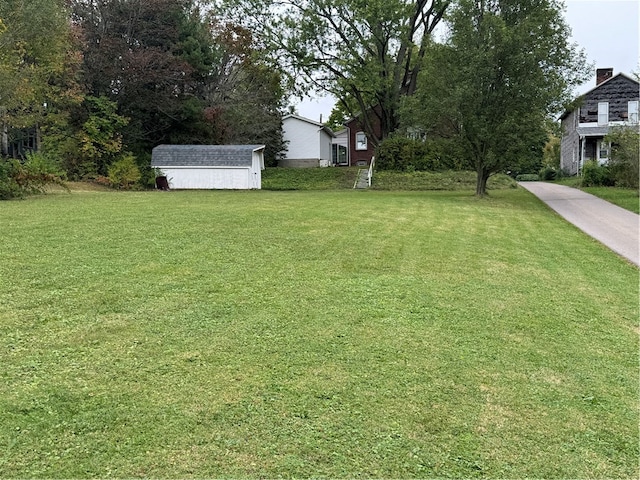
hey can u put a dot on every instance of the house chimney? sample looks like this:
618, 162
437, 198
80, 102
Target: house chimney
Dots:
603, 74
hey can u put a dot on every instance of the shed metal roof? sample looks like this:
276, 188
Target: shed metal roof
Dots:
203, 155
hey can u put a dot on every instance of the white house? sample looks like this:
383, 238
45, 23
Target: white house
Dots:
308, 142
237, 167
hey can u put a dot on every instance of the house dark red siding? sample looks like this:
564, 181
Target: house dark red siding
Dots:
361, 157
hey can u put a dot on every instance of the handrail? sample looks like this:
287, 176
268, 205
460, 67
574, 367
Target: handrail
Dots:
370, 173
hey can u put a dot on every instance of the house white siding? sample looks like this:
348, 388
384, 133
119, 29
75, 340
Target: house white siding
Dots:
325, 149
308, 143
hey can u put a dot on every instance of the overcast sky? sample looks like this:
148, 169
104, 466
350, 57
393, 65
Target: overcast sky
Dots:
608, 31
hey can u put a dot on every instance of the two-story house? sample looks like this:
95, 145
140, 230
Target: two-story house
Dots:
613, 101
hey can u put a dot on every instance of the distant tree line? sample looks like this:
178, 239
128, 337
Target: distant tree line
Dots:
88, 83
94, 82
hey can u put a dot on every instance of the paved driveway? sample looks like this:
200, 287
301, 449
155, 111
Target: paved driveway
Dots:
614, 226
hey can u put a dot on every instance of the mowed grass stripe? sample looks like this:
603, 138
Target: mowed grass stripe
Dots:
265, 334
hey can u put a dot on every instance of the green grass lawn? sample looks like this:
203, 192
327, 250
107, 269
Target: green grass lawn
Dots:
309, 178
344, 178
312, 334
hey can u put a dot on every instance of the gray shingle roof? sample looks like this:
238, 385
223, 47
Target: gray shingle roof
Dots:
203, 155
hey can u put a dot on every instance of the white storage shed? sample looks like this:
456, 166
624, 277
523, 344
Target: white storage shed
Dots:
237, 167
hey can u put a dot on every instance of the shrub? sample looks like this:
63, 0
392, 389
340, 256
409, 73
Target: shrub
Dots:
148, 174
527, 177
625, 156
595, 175
405, 154
548, 173
124, 173
8, 187
33, 176
398, 153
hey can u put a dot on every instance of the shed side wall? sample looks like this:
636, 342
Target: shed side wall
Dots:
208, 178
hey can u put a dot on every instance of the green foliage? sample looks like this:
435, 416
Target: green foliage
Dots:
596, 175
39, 171
402, 153
551, 153
494, 98
523, 164
341, 178
366, 54
91, 141
32, 62
178, 75
8, 186
338, 117
100, 138
18, 179
625, 153
548, 173
124, 173
527, 177
147, 173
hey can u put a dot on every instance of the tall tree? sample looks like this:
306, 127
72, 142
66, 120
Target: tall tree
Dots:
245, 96
36, 69
133, 57
178, 75
365, 53
507, 66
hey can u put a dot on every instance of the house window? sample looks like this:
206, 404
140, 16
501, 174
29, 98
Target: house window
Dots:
361, 141
632, 109
603, 152
603, 113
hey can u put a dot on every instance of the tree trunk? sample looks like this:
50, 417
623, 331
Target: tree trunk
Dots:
481, 181
4, 134
4, 144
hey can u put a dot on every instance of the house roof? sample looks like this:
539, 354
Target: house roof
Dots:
203, 155
593, 131
608, 80
312, 122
